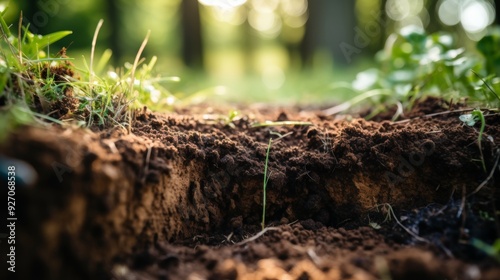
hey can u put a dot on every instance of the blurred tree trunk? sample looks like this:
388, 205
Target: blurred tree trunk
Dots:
330, 23
248, 46
192, 48
497, 11
293, 51
384, 19
113, 13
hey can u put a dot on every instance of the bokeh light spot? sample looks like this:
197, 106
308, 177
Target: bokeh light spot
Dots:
449, 12
474, 17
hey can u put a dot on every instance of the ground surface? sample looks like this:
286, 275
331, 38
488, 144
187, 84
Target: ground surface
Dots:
180, 196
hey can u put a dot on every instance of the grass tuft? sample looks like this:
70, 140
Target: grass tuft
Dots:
51, 89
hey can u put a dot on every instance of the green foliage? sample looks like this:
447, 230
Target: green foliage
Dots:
110, 97
230, 118
51, 88
489, 46
492, 250
266, 163
415, 64
28, 46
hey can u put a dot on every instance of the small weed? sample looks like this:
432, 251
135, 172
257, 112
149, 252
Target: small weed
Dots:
266, 174
53, 89
470, 120
231, 117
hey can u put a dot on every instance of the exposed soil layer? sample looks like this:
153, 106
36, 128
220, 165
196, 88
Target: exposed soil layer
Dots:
177, 197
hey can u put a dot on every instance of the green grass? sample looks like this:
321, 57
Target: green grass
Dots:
266, 163
43, 83
412, 65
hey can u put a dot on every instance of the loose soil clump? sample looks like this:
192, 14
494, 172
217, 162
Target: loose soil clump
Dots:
179, 196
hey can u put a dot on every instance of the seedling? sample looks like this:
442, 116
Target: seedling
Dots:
226, 120
230, 118
266, 175
264, 186
470, 120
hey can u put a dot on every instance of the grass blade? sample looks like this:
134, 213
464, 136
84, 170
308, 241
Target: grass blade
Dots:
265, 185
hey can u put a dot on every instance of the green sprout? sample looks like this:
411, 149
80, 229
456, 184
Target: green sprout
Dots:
266, 180
230, 118
267, 175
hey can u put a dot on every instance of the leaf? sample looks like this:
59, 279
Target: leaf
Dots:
468, 119
5, 27
39, 42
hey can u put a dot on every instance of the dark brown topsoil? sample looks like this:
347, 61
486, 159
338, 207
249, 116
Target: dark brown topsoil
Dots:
180, 197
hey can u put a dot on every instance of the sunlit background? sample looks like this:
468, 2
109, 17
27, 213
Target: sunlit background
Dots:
250, 47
